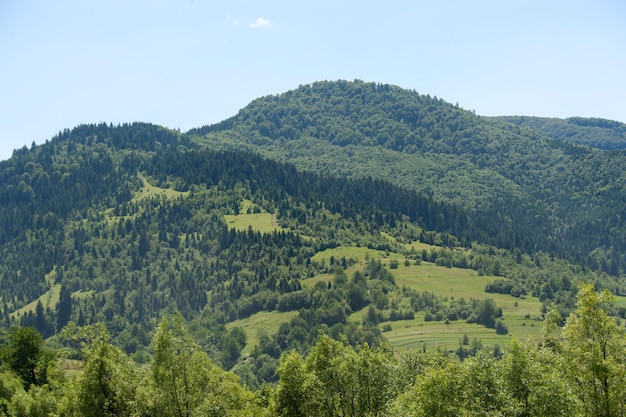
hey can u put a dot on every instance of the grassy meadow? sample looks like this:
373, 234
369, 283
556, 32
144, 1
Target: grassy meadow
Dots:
49, 300
264, 321
521, 315
263, 222
148, 191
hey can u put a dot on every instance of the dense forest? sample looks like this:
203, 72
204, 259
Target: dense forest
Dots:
593, 132
571, 197
134, 254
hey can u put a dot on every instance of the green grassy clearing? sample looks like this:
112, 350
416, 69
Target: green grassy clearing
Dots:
350, 252
520, 315
255, 325
415, 334
263, 222
620, 301
49, 300
148, 190
82, 294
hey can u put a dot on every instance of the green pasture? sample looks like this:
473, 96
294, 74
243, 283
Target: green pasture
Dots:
264, 321
620, 301
49, 300
521, 315
263, 222
417, 334
360, 253
148, 190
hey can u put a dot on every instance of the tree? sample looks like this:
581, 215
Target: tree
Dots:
185, 383
291, 393
596, 350
109, 380
436, 393
26, 356
37, 402
336, 380
64, 310
501, 327
488, 313
535, 383
482, 392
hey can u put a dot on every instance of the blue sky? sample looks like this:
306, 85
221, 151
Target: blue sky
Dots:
185, 64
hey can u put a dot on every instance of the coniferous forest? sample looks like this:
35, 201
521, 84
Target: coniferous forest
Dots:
139, 262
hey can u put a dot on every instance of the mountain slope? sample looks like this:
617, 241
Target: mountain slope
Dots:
593, 132
134, 226
554, 196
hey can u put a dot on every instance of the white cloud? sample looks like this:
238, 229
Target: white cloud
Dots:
261, 23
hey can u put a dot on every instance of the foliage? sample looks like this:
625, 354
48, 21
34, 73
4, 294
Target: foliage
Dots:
108, 383
25, 355
158, 241
595, 347
125, 225
336, 380
578, 373
184, 382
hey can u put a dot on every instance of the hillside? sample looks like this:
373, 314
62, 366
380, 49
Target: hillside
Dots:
127, 224
593, 132
546, 194
365, 212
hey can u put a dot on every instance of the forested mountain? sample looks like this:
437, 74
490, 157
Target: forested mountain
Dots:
124, 224
547, 194
593, 132
316, 209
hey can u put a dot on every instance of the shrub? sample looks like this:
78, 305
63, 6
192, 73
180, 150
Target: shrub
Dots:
501, 327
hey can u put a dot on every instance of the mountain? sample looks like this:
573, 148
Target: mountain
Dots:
299, 210
547, 194
344, 242
125, 224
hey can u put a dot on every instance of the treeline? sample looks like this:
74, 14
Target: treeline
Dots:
577, 370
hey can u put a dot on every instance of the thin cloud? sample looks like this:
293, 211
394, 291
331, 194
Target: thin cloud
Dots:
261, 23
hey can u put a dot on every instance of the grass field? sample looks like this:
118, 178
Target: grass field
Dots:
264, 321
620, 301
521, 315
349, 252
148, 190
263, 222
49, 300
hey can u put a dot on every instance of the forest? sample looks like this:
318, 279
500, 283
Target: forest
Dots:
574, 371
520, 175
135, 256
